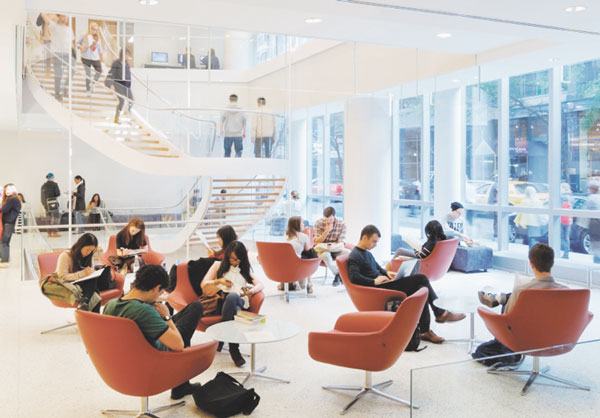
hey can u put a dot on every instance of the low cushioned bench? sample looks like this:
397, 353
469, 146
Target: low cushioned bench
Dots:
470, 259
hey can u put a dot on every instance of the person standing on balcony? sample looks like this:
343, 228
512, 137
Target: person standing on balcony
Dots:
233, 127
263, 130
91, 56
119, 80
62, 37
50, 194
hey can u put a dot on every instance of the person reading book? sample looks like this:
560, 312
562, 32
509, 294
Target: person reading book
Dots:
235, 281
364, 271
77, 263
225, 236
130, 240
434, 233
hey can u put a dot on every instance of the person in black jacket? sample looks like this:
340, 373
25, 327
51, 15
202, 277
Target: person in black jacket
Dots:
50, 194
364, 271
79, 200
11, 207
120, 81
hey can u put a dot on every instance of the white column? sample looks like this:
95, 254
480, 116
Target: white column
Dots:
11, 16
448, 145
368, 170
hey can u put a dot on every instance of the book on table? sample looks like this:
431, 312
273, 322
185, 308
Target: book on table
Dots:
249, 317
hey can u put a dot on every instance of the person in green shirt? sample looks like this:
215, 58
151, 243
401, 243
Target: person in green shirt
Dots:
142, 305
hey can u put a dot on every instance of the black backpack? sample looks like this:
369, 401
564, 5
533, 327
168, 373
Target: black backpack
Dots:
224, 397
392, 305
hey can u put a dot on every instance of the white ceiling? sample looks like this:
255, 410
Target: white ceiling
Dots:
363, 23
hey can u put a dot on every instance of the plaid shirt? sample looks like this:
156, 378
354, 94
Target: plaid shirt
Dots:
337, 233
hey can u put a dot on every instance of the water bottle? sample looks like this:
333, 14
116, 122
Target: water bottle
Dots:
136, 264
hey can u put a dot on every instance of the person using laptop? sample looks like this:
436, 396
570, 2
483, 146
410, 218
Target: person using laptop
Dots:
364, 271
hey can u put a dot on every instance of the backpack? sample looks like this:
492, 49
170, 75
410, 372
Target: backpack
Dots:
224, 397
392, 305
495, 348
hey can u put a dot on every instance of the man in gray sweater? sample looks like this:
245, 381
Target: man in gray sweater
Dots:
233, 127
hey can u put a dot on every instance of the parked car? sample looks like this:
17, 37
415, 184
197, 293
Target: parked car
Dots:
478, 191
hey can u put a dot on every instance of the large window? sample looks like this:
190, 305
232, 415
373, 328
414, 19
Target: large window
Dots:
326, 186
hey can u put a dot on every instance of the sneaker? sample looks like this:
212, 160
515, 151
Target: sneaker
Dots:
309, 288
337, 280
301, 283
187, 388
450, 317
432, 337
488, 299
292, 287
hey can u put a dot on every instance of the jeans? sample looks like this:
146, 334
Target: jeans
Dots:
328, 259
263, 143
534, 234
186, 322
5, 247
59, 63
409, 285
228, 141
87, 65
123, 91
78, 221
233, 303
565, 241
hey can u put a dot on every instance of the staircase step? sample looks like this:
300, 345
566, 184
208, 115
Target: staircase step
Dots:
256, 186
141, 141
243, 180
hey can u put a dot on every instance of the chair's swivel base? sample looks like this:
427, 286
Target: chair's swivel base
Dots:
144, 410
68, 324
374, 389
534, 374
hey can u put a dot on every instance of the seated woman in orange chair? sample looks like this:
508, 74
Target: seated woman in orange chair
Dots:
76, 263
225, 236
301, 243
434, 233
233, 280
129, 239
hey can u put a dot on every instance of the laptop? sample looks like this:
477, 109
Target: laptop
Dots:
407, 268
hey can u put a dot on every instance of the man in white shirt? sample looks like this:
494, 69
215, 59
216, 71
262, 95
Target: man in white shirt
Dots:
62, 37
263, 125
91, 55
233, 127
454, 223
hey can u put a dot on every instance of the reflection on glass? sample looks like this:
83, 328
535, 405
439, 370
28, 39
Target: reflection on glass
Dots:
410, 126
528, 146
318, 132
482, 226
336, 153
482, 142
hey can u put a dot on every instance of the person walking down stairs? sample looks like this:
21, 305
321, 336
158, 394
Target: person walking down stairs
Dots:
119, 80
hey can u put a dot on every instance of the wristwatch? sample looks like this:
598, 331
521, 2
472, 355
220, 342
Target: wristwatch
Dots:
167, 318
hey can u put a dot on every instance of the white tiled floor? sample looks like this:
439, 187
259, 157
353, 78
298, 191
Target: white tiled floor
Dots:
51, 376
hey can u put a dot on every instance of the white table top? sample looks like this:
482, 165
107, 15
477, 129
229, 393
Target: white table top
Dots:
264, 332
458, 303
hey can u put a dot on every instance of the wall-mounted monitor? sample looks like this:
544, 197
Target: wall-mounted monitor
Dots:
180, 59
160, 57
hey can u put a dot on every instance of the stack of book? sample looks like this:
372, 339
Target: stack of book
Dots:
249, 317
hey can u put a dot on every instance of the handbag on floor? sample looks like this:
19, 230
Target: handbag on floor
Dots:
224, 397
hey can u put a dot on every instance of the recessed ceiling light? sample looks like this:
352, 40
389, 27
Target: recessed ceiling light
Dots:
148, 2
456, 80
444, 35
313, 20
553, 60
572, 9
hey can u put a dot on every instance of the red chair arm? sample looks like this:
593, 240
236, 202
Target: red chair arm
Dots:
152, 257
256, 301
119, 279
363, 321
499, 326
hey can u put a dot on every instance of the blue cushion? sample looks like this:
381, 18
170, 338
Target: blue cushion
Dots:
470, 259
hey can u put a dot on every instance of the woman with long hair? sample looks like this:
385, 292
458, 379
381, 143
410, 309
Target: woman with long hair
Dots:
91, 56
93, 206
76, 263
11, 207
302, 247
434, 231
225, 236
129, 239
234, 278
